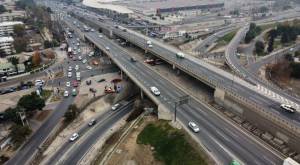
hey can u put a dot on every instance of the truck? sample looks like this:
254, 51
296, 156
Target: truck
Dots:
69, 51
78, 76
290, 161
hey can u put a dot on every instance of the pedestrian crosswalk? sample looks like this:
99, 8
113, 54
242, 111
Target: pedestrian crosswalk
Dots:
276, 97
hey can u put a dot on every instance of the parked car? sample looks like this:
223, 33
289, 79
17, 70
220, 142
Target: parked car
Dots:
66, 93
68, 84
74, 137
74, 92
89, 67
132, 59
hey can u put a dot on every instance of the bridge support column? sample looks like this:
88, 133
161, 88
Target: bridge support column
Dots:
164, 113
142, 95
219, 95
121, 74
173, 66
178, 72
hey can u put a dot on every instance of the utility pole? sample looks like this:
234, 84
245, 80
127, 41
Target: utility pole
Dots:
180, 101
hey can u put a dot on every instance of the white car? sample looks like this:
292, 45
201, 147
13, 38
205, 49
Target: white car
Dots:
78, 44
89, 67
150, 46
68, 84
84, 61
77, 67
91, 54
115, 107
100, 36
288, 108
66, 93
149, 42
79, 58
155, 91
70, 68
74, 137
194, 126
69, 74
107, 48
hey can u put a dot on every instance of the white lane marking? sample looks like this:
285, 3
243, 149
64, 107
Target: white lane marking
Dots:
223, 136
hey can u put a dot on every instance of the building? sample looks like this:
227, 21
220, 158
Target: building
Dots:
6, 45
7, 28
15, 15
158, 7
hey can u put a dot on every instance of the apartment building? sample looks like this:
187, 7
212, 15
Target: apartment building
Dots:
6, 45
7, 28
15, 15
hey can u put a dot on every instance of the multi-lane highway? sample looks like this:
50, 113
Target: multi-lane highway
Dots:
223, 140
32, 145
72, 152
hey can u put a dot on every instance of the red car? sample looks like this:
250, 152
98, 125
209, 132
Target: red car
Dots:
75, 83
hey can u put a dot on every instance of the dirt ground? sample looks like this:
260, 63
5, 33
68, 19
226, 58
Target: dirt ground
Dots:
131, 153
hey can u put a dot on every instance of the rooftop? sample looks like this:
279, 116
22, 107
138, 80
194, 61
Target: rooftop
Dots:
104, 4
6, 39
158, 4
12, 23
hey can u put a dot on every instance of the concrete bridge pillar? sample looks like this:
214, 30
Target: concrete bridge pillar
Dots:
142, 95
121, 74
219, 95
164, 113
173, 66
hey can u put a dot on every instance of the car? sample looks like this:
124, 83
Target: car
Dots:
116, 106
100, 36
180, 55
68, 83
150, 46
149, 42
88, 82
91, 54
194, 126
84, 61
132, 59
78, 44
39, 81
66, 93
69, 74
101, 80
288, 108
75, 83
79, 58
155, 91
92, 122
70, 68
107, 48
79, 50
74, 92
89, 67
92, 30
77, 67
74, 137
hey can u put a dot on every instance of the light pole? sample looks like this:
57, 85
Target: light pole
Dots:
180, 101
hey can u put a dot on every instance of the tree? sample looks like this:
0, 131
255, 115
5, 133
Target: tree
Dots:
2, 9
259, 48
19, 30
36, 59
271, 44
72, 113
19, 133
2, 53
11, 114
14, 61
31, 102
20, 44
295, 70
